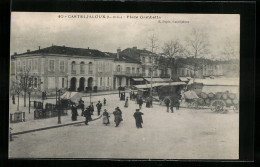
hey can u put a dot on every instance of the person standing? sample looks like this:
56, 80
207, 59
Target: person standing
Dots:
140, 102
105, 101
92, 108
171, 106
74, 113
82, 106
167, 102
87, 115
138, 118
99, 106
105, 117
126, 102
177, 104
118, 116
13, 98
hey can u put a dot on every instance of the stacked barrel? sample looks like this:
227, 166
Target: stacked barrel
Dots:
229, 98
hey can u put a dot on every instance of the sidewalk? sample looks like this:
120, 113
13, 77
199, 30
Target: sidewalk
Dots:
48, 123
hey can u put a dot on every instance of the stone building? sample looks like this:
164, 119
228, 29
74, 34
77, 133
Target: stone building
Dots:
65, 67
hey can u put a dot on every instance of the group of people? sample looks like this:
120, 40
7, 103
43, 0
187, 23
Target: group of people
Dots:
88, 112
170, 104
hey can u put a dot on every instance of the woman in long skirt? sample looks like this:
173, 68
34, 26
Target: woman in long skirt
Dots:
105, 117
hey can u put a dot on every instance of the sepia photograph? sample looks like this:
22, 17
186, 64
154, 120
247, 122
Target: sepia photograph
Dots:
124, 86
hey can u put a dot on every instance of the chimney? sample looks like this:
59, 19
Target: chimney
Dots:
28, 50
39, 47
118, 51
134, 47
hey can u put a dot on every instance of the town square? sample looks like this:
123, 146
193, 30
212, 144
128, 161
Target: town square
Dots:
124, 86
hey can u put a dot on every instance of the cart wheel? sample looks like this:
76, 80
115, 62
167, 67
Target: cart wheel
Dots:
195, 104
217, 106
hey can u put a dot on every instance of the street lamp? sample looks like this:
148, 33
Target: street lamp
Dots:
58, 106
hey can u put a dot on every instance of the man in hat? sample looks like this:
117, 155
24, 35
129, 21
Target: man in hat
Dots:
87, 114
99, 106
138, 118
105, 101
92, 108
118, 116
74, 113
140, 102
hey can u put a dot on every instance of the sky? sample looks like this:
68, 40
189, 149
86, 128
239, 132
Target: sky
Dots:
107, 32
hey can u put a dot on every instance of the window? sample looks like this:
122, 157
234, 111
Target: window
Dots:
51, 65
24, 66
137, 70
101, 81
30, 65
155, 73
182, 71
150, 71
150, 59
73, 67
35, 64
143, 70
62, 83
107, 81
143, 60
100, 66
118, 69
90, 68
35, 82
30, 82
133, 70
127, 70
18, 67
62, 66
82, 68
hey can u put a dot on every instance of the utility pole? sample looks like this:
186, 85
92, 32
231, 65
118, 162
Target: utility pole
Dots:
59, 109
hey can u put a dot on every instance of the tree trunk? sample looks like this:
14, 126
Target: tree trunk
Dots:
25, 99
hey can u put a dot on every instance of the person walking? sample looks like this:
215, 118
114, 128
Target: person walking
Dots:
140, 102
106, 117
167, 102
138, 118
99, 106
13, 98
126, 102
105, 101
74, 113
171, 106
92, 108
118, 116
82, 106
87, 115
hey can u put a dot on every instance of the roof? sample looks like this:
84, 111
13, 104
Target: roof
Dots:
135, 53
184, 79
67, 51
124, 57
138, 79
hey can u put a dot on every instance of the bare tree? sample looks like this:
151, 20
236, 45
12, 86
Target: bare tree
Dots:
171, 49
229, 51
23, 78
16, 89
198, 46
153, 42
198, 43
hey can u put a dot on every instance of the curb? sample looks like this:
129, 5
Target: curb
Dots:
52, 127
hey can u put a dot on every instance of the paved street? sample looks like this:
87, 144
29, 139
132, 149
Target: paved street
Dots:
199, 134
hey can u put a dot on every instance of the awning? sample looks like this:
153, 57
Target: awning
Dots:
184, 79
158, 84
137, 79
154, 79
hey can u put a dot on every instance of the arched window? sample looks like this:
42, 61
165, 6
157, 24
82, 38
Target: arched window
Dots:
118, 69
143, 60
73, 67
82, 67
90, 68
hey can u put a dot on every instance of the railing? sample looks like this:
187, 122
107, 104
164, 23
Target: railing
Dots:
82, 72
73, 72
